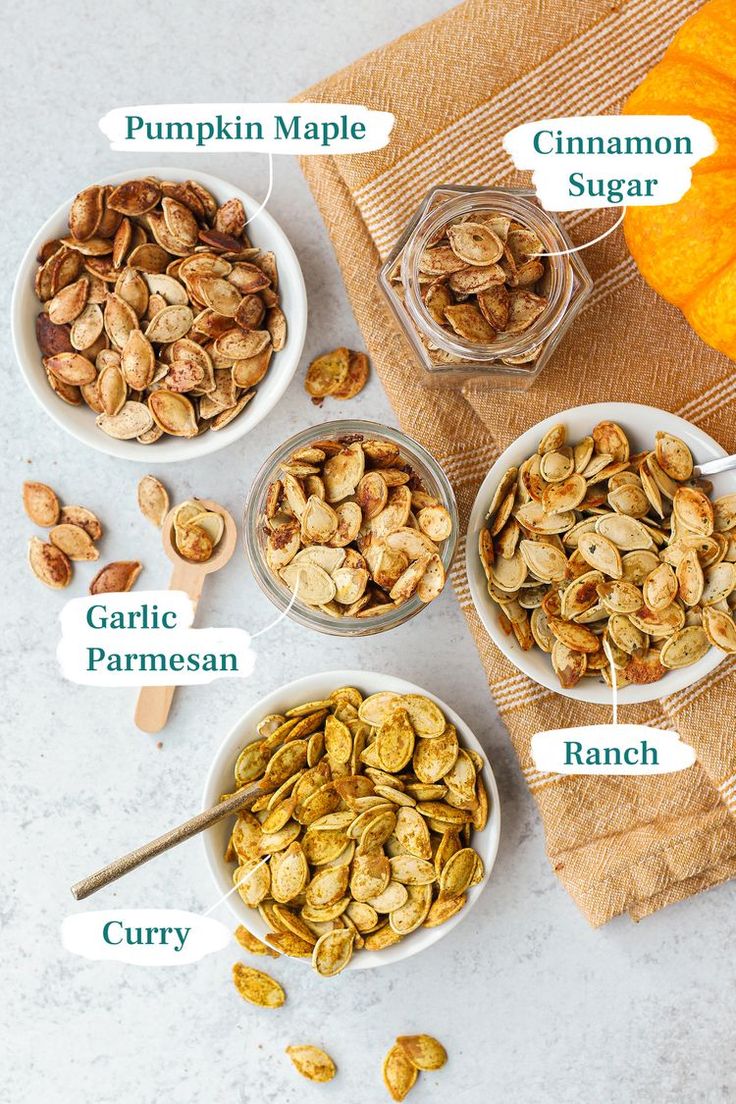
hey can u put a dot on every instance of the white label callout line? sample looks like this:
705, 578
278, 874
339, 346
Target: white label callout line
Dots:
586, 245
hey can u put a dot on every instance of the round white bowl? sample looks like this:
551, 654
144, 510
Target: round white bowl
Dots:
640, 423
312, 688
80, 420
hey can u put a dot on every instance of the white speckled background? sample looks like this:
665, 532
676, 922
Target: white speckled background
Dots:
533, 1006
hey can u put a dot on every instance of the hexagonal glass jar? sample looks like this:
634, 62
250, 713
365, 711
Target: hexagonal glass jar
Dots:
511, 361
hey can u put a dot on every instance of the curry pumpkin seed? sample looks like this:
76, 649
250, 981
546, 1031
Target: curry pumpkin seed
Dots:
399, 1074
413, 912
251, 943
423, 1051
443, 910
457, 873
257, 987
333, 951
312, 1063
253, 881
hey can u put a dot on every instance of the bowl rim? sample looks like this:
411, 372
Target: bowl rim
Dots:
224, 758
594, 693
354, 627
187, 449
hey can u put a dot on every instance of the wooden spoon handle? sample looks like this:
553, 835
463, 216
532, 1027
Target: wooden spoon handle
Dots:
198, 823
154, 702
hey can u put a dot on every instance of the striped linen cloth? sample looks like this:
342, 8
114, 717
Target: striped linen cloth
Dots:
456, 86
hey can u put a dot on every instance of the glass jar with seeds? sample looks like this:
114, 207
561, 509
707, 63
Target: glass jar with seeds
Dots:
479, 288
351, 527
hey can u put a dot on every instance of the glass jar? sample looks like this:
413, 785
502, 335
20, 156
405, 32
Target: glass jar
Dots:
255, 529
511, 361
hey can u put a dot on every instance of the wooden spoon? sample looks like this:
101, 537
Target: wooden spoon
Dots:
154, 702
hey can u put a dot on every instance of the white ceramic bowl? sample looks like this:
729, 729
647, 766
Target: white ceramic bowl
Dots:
312, 688
640, 423
80, 420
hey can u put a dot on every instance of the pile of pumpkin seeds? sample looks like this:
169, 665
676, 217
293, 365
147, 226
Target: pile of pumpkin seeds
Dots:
365, 822
74, 531
593, 552
197, 530
158, 313
482, 275
350, 528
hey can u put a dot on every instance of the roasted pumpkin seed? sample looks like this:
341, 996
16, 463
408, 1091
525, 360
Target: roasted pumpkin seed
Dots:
312, 1063
256, 987
153, 499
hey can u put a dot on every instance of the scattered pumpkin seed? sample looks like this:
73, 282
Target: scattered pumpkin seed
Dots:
256, 987
41, 504
312, 1062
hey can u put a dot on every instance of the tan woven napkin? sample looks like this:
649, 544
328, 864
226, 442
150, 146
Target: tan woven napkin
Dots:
456, 86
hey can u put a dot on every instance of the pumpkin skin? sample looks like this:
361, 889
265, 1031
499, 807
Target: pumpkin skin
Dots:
687, 251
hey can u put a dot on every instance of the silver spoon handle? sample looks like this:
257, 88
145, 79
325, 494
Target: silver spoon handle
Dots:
713, 467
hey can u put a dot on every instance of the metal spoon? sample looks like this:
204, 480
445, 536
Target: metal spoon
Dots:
154, 702
714, 467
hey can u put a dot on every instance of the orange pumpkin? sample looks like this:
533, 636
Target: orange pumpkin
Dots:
687, 250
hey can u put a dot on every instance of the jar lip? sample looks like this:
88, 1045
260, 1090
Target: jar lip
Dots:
510, 201
277, 593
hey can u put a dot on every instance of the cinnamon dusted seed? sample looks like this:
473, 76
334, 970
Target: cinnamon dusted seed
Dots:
482, 278
342, 374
